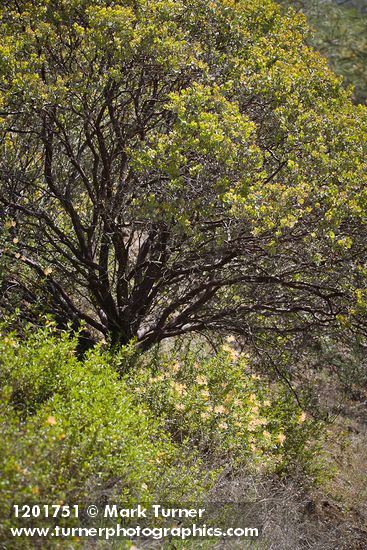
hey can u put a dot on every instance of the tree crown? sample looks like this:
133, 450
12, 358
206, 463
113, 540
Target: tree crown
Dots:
177, 166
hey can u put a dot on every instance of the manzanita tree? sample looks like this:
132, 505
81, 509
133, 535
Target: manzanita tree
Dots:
175, 166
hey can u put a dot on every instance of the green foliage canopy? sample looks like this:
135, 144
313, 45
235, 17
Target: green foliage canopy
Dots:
178, 166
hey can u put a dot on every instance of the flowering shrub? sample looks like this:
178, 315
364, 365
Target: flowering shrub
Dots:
219, 405
71, 431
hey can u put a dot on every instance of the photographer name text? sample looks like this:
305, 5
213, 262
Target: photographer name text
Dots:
156, 510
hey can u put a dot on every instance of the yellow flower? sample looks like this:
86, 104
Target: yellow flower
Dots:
302, 418
175, 367
10, 223
230, 339
219, 409
231, 352
47, 271
201, 380
15, 240
223, 425
267, 403
204, 415
10, 341
205, 393
180, 388
281, 438
179, 407
253, 424
158, 378
51, 420
266, 434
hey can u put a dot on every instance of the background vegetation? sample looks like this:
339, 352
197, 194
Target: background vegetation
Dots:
340, 34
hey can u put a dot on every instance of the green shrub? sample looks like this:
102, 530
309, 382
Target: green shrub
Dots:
216, 403
74, 431
71, 431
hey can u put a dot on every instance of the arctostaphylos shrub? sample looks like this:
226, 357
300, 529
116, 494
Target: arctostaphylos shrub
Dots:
71, 432
214, 402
